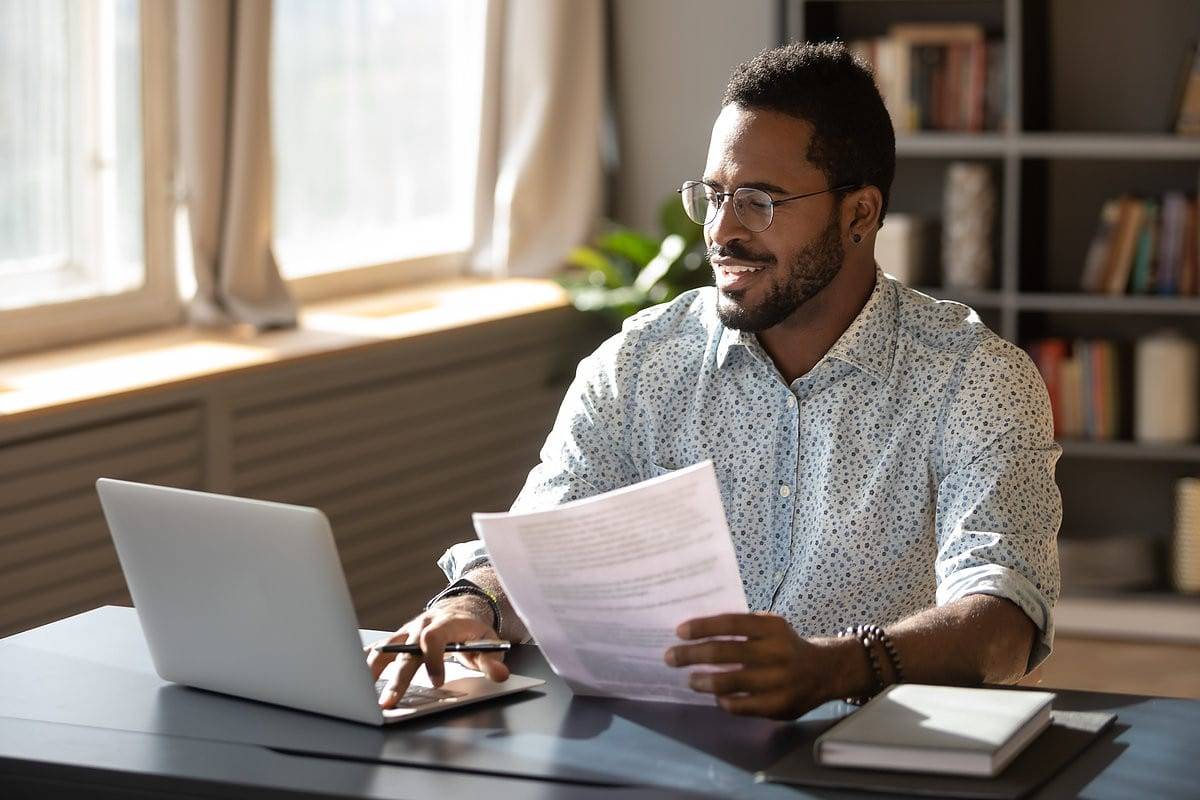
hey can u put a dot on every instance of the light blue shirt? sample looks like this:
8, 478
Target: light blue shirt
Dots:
911, 466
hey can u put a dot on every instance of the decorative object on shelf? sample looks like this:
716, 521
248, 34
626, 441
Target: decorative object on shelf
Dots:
901, 248
1165, 367
1107, 563
1185, 547
1187, 115
969, 212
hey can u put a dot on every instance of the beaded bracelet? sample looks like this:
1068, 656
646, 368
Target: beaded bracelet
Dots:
859, 632
890, 648
868, 635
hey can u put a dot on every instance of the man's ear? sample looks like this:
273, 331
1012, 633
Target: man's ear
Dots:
860, 212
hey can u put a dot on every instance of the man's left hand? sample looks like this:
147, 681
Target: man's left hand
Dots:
777, 673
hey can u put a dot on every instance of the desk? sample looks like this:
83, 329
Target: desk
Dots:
80, 706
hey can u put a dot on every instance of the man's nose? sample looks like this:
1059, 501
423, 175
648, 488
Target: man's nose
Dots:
726, 227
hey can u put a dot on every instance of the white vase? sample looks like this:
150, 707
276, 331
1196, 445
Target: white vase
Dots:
968, 214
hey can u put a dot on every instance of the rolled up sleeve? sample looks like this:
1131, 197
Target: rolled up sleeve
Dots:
998, 507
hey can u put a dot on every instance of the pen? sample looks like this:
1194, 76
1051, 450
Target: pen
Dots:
481, 646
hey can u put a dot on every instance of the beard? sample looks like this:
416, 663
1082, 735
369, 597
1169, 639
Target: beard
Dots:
810, 271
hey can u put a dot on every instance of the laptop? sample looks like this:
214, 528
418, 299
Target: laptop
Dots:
248, 598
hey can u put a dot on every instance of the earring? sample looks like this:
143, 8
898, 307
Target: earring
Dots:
857, 238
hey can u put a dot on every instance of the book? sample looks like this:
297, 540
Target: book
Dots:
1139, 282
1098, 250
1120, 261
1174, 216
1048, 355
949, 730
1187, 272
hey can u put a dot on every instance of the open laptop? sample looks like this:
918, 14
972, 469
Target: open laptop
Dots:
248, 598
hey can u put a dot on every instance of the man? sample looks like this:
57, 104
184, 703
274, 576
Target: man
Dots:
883, 457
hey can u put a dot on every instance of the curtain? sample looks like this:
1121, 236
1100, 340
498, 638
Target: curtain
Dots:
225, 162
540, 174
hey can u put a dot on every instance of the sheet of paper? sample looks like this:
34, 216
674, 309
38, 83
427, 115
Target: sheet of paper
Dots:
602, 583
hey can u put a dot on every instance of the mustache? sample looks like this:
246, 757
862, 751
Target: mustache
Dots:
736, 252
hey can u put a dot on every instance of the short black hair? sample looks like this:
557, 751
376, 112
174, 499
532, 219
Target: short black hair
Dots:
827, 86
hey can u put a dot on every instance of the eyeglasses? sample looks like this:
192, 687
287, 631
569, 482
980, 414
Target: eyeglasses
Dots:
754, 208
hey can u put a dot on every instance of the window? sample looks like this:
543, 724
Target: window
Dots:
376, 109
73, 213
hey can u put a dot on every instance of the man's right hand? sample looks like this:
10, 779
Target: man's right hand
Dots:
455, 619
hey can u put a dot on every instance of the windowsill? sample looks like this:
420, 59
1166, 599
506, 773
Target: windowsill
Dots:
54, 380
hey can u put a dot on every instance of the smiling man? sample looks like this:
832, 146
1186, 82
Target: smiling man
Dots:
886, 462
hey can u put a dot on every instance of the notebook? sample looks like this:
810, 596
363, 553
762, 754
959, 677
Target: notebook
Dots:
947, 730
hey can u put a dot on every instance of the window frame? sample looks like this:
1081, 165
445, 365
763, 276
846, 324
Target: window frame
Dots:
156, 303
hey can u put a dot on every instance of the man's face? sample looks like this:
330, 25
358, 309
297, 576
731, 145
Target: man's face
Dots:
801, 252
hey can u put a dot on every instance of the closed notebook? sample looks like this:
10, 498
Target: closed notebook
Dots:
937, 729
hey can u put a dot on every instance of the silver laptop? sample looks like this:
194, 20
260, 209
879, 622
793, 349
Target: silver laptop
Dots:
248, 598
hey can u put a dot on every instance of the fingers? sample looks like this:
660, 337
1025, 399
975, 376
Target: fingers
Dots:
376, 660
752, 626
715, 652
758, 681
490, 664
397, 685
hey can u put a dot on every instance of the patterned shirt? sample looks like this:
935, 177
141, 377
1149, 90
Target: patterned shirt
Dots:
911, 466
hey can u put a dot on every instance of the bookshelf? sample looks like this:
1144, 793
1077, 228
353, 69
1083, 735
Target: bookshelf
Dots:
1086, 114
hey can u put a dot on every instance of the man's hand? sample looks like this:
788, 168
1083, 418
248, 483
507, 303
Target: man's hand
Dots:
456, 619
779, 675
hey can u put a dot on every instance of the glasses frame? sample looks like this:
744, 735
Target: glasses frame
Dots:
721, 197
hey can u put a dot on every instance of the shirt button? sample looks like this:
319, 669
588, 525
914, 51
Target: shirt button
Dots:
791, 401
784, 490
778, 576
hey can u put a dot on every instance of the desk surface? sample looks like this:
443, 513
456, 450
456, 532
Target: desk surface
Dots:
83, 692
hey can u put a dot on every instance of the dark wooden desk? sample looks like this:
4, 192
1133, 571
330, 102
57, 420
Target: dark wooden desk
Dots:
82, 711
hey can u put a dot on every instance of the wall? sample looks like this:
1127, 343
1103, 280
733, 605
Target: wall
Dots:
671, 62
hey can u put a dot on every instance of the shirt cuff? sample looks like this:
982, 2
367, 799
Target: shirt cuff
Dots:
461, 557
998, 581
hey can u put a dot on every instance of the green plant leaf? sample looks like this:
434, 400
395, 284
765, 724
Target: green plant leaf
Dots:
673, 246
592, 260
630, 244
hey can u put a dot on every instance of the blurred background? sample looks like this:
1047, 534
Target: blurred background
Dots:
348, 255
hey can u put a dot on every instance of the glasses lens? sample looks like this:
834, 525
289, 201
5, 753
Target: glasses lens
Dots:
754, 208
698, 201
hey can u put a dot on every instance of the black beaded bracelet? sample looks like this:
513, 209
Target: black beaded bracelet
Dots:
881, 637
864, 637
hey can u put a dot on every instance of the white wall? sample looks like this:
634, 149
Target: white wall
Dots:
672, 61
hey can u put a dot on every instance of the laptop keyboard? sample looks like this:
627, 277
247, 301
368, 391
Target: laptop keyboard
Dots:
418, 696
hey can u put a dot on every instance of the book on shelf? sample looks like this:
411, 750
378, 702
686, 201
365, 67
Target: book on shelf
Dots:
938, 76
1081, 379
1145, 246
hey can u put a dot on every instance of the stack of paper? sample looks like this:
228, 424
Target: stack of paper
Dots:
602, 583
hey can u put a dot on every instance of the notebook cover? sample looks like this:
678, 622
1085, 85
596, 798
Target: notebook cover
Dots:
1068, 735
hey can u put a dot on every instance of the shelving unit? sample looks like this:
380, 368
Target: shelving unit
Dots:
1086, 115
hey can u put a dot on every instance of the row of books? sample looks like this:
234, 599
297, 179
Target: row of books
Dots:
1145, 246
1081, 378
938, 76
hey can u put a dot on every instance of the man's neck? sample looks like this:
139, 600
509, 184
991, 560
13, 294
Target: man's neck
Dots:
801, 340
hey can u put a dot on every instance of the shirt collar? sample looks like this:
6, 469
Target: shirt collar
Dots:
869, 344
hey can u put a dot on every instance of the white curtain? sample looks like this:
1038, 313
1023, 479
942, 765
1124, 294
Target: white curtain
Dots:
540, 174
225, 161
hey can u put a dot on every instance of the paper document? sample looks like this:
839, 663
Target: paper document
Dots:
602, 583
